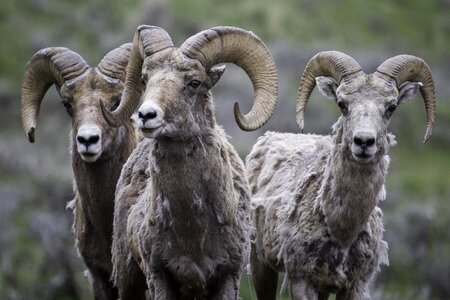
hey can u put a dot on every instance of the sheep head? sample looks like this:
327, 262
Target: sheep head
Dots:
80, 87
176, 101
367, 101
173, 84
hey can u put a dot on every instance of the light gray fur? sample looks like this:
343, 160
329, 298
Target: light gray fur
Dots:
315, 198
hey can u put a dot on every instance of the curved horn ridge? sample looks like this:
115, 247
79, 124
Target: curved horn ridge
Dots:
114, 63
411, 68
243, 48
147, 41
48, 66
334, 64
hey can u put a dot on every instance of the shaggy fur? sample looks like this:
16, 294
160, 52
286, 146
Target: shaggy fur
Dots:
315, 198
95, 182
182, 207
93, 207
182, 203
98, 151
291, 215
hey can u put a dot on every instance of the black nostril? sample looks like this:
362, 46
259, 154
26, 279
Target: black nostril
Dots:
148, 116
81, 140
151, 115
93, 139
370, 141
358, 141
364, 141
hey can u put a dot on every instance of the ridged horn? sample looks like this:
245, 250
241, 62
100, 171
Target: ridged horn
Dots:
333, 64
411, 68
245, 49
147, 40
48, 66
114, 63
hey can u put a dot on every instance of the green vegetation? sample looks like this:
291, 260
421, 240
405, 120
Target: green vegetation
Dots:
422, 26
37, 253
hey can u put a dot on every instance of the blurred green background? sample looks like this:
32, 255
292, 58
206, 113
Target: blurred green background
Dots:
37, 253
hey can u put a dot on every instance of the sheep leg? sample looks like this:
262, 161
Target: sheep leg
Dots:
161, 287
132, 284
265, 279
102, 287
229, 289
94, 250
301, 290
99, 277
359, 291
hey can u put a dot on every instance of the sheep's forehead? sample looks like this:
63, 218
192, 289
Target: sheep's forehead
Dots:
367, 88
92, 86
172, 60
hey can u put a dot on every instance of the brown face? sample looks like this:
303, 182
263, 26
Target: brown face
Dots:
175, 104
367, 103
90, 132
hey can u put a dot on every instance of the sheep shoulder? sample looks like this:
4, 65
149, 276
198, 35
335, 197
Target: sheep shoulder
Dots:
220, 204
275, 165
132, 182
286, 172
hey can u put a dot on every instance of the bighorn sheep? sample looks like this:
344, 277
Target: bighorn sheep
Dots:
98, 151
182, 210
315, 198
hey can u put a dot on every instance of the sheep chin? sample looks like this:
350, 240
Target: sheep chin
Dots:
90, 157
151, 132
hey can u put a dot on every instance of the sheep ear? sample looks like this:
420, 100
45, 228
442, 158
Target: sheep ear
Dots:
408, 90
327, 87
215, 73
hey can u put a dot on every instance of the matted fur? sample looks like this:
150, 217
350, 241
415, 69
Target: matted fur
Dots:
290, 177
194, 222
182, 207
315, 198
80, 88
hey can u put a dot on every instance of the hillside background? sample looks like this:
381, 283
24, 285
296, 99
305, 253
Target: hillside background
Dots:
37, 255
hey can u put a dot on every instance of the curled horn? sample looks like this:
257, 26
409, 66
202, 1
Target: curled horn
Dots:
48, 66
245, 49
411, 68
334, 64
114, 63
147, 40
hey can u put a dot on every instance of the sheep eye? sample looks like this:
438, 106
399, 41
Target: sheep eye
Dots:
143, 80
194, 84
390, 110
342, 106
116, 101
68, 105
115, 105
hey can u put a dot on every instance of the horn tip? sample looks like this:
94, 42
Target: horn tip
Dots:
301, 124
427, 135
108, 115
241, 120
30, 134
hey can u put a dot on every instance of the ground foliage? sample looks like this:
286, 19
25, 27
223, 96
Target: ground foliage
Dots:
37, 254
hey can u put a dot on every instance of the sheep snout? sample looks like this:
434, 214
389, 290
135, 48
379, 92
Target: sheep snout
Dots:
89, 143
150, 119
363, 146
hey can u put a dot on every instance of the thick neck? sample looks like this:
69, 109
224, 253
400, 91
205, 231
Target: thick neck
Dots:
96, 182
192, 180
350, 192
